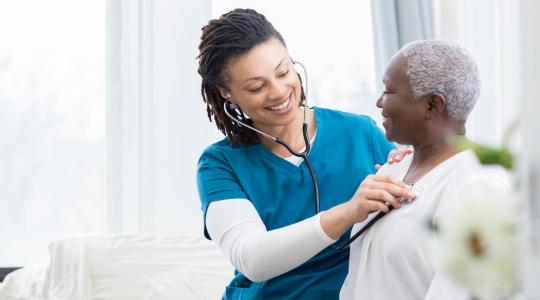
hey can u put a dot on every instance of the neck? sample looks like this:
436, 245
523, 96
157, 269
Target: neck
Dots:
427, 155
430, 151
290, 133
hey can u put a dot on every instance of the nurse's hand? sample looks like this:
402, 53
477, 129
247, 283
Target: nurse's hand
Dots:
397, 155
375, 193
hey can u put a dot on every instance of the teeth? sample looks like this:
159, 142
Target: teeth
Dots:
281, 106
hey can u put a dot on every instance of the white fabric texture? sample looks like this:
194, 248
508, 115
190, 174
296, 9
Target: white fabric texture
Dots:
124, 267
237, 228
394, 259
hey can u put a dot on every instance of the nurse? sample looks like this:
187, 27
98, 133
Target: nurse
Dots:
258, 199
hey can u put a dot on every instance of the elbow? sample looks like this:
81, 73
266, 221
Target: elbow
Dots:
256, 274
255, 267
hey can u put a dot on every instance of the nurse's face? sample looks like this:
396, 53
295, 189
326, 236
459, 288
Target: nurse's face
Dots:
403, 115
264, 84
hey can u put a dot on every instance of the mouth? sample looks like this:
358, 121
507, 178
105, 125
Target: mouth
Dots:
283, 106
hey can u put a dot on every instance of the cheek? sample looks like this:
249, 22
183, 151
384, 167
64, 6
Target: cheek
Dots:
249, 103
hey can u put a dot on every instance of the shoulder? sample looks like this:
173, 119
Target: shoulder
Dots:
216, 152
468, 173
217, 148
345, 121
332, 114
397, 169
469, 169
223, 153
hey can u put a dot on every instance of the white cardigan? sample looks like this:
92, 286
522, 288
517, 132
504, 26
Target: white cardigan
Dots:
394, 259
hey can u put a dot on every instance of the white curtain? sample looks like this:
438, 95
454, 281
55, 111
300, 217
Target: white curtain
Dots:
156, 120
396, 23
488, 29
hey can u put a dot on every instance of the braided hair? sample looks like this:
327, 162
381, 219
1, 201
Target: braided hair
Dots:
230, 36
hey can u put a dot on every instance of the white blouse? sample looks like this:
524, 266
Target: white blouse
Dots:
394, 259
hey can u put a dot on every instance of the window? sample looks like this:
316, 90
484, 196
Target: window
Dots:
333, 39
52, 123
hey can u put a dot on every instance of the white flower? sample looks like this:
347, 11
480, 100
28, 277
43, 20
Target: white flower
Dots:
478, 241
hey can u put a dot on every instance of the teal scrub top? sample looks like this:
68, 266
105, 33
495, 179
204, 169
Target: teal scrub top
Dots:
345, 151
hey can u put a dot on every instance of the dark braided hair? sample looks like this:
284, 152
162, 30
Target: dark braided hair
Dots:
230, 36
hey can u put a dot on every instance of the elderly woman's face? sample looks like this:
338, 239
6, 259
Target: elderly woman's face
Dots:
403, 115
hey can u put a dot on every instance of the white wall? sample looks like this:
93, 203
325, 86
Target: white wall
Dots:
157, 122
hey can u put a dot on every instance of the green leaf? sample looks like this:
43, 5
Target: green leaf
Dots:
487, 155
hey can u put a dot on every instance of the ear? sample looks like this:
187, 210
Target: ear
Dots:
225, 93
436, 105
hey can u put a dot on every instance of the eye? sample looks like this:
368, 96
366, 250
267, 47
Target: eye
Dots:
385, 92
283, 74
257, 89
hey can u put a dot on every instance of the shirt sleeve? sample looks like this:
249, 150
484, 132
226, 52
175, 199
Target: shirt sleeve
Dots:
236, 227
380, 146
216, 180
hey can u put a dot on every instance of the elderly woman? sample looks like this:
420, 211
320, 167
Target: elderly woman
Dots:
430, 87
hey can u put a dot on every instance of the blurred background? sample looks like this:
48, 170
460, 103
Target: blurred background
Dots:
101, 116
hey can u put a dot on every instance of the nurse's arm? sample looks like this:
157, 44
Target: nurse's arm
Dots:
236, 227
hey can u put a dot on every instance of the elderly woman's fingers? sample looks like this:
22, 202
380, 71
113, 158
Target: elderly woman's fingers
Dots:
377, 167
391, 156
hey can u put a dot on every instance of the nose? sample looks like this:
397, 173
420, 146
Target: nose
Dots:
379, 101
278, 90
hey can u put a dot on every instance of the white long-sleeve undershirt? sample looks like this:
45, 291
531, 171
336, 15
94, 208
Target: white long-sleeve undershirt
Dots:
236, 227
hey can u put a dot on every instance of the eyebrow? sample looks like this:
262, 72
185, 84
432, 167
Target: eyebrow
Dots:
259, 77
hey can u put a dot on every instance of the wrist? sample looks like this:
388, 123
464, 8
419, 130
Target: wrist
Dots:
347, 213
337, 220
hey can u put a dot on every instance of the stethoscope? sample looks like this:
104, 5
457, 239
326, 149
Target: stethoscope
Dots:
304, 155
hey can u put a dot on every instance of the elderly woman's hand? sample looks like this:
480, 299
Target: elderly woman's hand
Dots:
396, 155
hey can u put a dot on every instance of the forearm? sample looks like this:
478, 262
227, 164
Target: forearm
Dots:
336, 221
257, 253
265, 255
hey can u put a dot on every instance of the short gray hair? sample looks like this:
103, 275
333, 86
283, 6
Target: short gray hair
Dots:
446, 68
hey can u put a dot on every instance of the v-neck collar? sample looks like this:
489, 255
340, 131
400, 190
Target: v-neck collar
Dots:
314, 147
436, 171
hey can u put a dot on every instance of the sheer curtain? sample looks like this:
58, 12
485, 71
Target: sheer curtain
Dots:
396, 23
488, 29
156, 120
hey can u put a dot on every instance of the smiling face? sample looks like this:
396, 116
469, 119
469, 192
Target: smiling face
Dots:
265, 85
404, 117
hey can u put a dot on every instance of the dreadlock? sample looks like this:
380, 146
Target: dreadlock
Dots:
230, 36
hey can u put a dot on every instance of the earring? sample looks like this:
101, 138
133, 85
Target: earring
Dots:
232, 105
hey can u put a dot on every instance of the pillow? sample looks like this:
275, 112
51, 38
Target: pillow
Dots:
132, 267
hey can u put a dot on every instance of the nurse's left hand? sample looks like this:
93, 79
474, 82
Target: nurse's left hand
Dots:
397, 155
